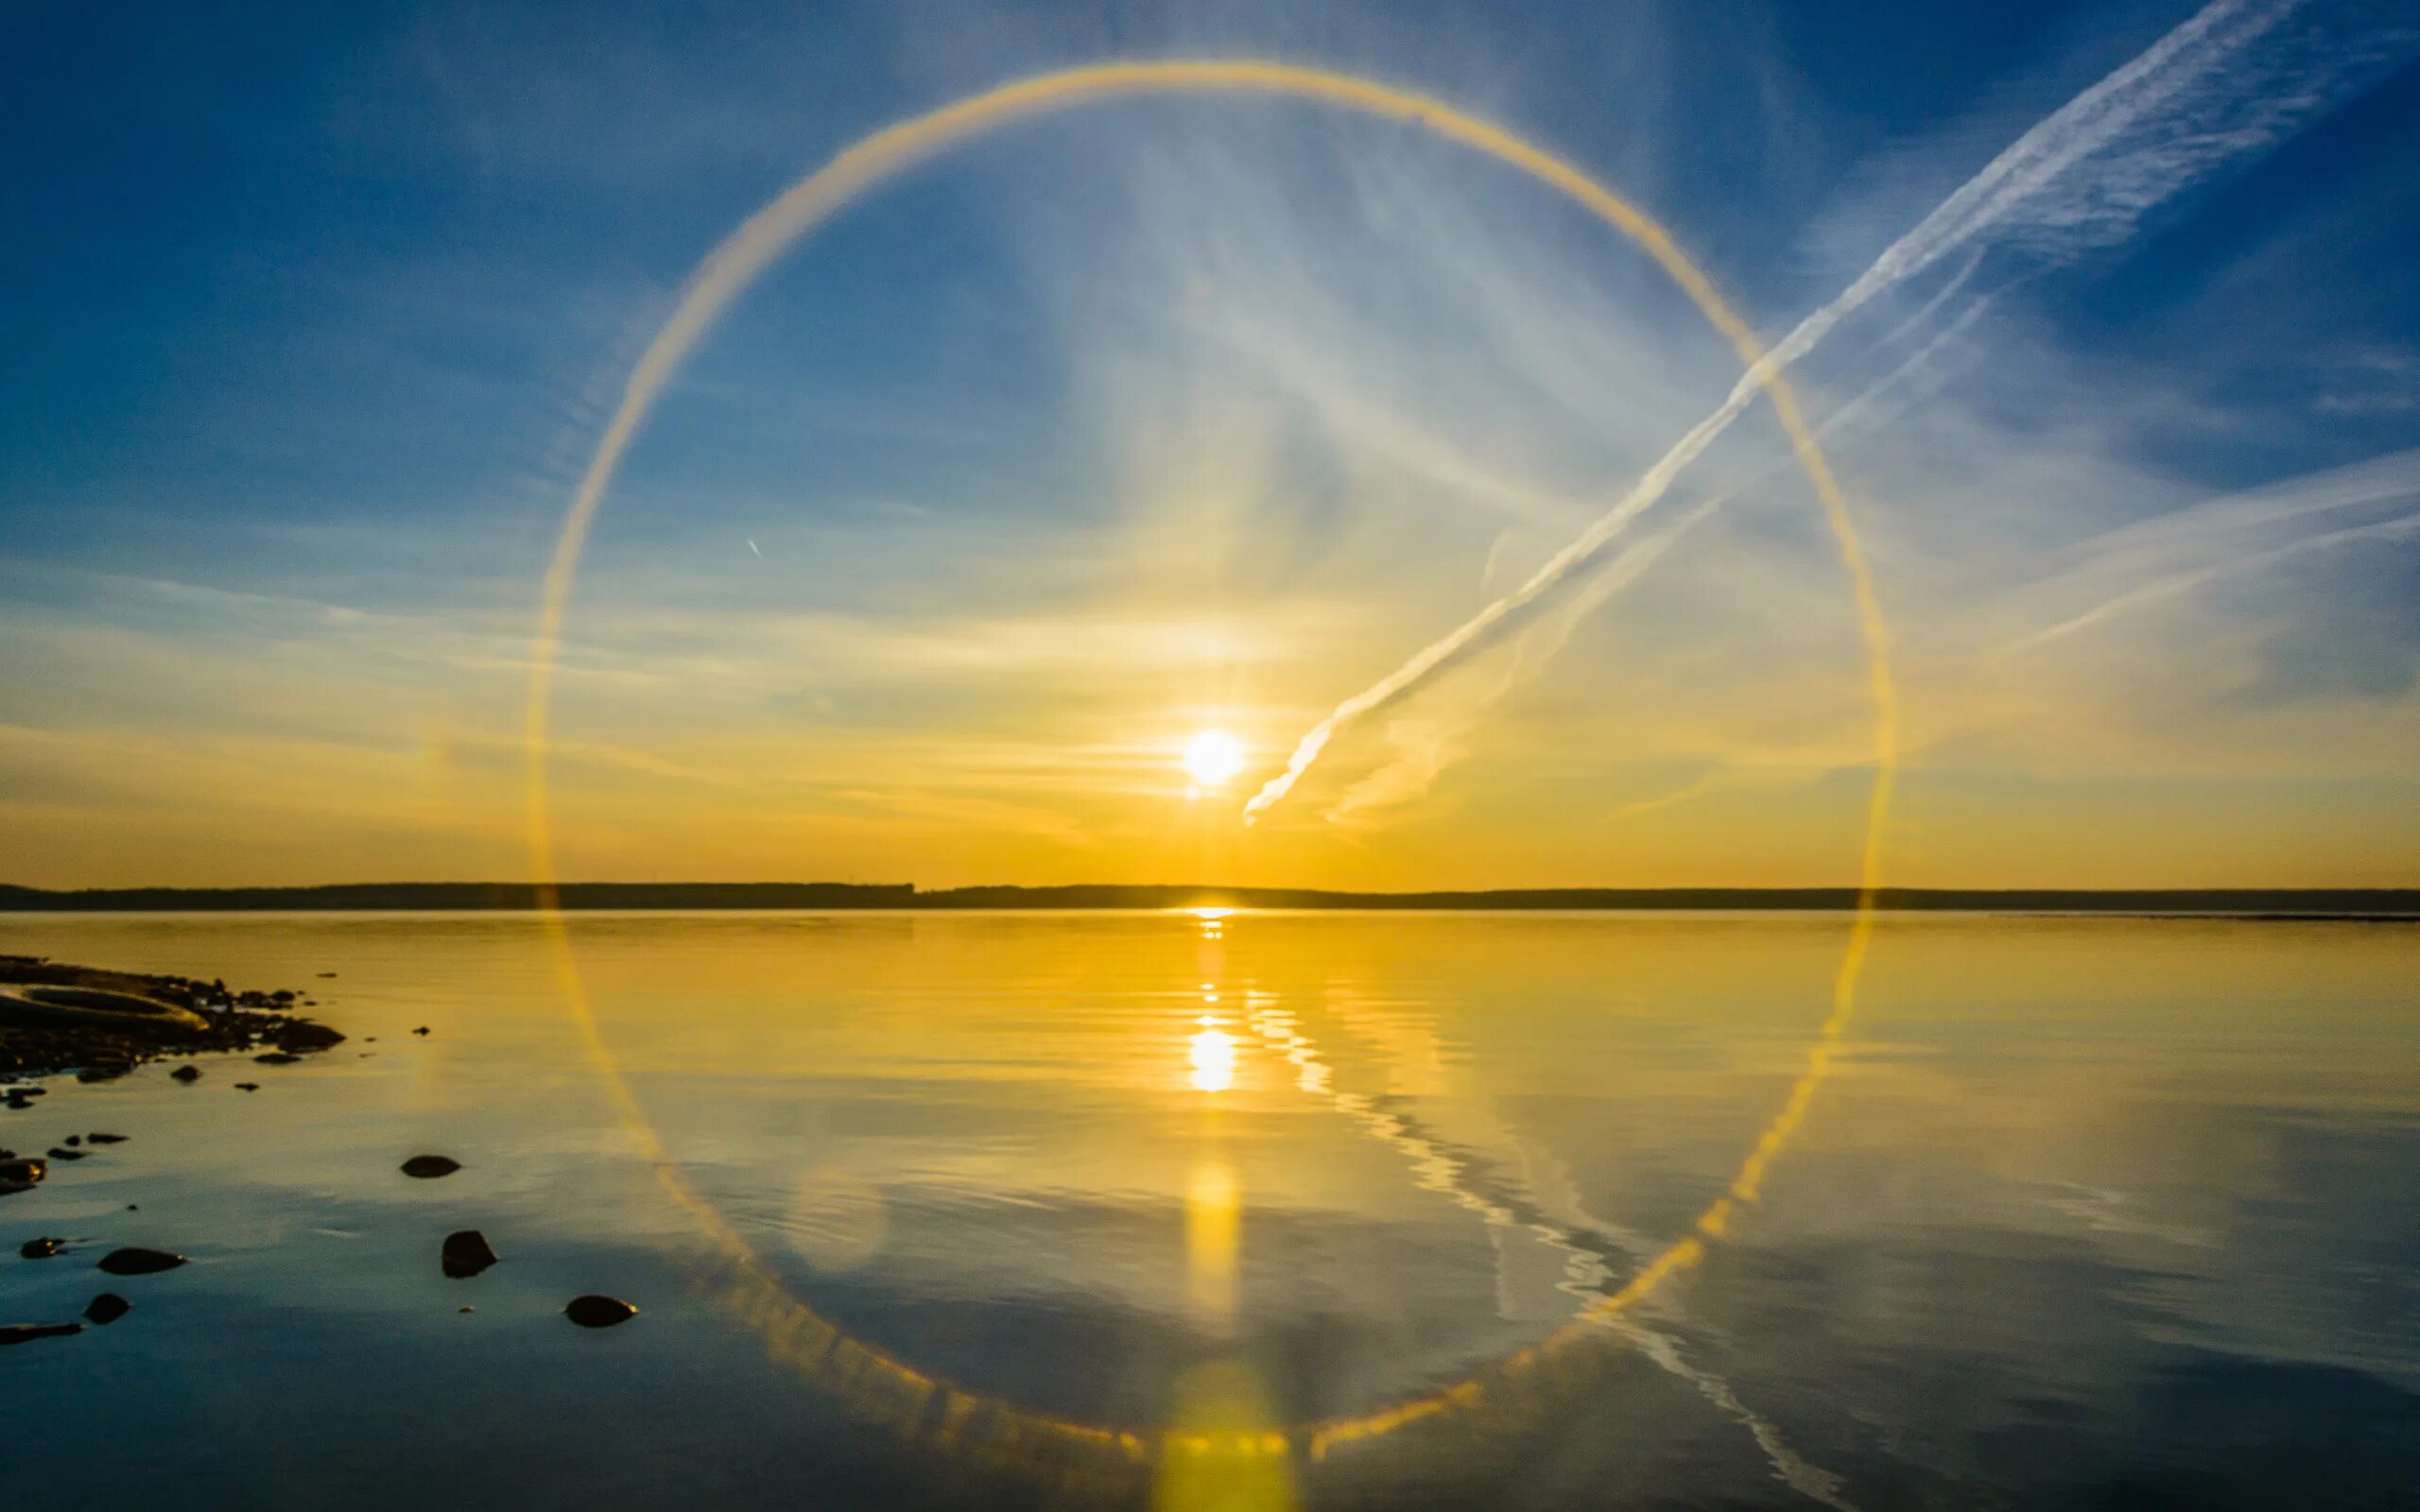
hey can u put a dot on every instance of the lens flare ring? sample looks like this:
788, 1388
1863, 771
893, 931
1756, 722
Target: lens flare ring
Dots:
880, 1386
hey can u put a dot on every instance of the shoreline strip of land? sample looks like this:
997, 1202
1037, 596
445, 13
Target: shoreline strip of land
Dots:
2384, 904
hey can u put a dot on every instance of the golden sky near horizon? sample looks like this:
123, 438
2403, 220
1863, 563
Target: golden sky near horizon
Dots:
941, 554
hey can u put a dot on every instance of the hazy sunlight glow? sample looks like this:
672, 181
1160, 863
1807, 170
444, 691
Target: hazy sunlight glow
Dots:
873, 1380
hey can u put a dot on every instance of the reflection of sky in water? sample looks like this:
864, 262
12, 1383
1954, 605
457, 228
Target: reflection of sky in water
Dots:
2092, 1210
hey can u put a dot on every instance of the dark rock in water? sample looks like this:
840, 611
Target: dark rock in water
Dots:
278, 1057
107, 1309
24, 1170
187, 1074
247, 1086
136, 1260
301, 1033
74, 1139
105, 1071
324, 975
422, 1031
57, 1153
429, 1167
28, 1092
104, 1138
467, 1252
25, 1333
40, 1248
594, 1312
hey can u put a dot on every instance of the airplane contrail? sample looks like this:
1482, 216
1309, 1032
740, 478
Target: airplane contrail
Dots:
1408, 777
2193, 102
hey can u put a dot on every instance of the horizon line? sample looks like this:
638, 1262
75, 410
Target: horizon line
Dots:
2399, 901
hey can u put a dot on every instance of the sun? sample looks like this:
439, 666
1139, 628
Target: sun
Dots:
1212, 758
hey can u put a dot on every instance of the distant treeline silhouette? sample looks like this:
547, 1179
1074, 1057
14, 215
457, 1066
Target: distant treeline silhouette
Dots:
430, 897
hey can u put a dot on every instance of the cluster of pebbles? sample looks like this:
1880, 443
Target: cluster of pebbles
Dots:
98, 1024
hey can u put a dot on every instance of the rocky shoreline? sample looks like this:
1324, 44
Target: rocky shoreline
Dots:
97, 1025
59, 1020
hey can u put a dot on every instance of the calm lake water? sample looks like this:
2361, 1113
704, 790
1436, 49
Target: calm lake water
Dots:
2089, 1212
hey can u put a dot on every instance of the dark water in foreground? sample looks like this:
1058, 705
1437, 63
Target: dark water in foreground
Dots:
2089, 1214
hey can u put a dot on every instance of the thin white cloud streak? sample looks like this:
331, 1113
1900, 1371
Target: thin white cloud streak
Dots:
2384, 480
1407, 778
2155, 544
1428, 750
2197, 100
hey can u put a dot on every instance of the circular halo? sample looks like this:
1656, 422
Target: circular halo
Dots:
874, 1381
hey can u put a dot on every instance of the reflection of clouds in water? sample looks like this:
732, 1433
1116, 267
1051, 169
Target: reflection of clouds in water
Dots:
837, 1220
2111, 1211
1588, 1252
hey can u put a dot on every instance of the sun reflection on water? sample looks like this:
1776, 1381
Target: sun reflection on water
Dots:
1212, 1051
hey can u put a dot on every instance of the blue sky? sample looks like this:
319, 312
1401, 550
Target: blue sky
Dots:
1175, 413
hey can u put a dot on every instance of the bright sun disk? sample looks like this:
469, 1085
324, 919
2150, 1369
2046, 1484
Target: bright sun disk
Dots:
1213, 757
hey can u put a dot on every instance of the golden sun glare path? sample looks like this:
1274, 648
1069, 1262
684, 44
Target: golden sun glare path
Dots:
873, 1379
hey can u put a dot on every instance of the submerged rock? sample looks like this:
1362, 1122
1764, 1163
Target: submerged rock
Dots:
40, 1248
247, 1086
429, 1167
104, 1138
59, 1153
20, 1174
187, 1074
466, 1253
136, 1260
596, 1312
301, 1033
25, 1333
422, 1031
107, 1309
278, 1057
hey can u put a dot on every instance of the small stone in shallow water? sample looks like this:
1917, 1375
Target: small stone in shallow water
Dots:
24, 1333
594, 1312
59, 1153
23, 1171
305, 1035
247, 1086
136, 1260
107, 1309
466, 1310
429, 1167
74, 1139
466, 1253
278, 1057
40, 1248
103, 1139
422, 1031
187, 1074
